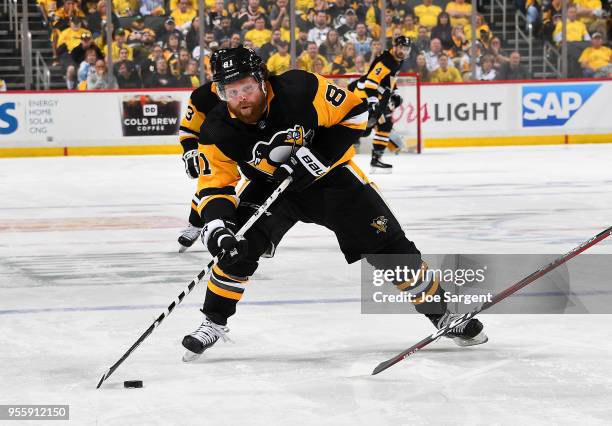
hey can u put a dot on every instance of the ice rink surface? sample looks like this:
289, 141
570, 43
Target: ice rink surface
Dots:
88, 258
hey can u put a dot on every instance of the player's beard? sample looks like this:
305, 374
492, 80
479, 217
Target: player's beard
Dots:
250, 112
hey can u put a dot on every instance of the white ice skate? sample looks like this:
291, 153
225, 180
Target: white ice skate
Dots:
203, 338
188, 236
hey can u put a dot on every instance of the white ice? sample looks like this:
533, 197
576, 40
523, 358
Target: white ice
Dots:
88, 258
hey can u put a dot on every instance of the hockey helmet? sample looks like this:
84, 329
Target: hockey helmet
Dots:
230, 65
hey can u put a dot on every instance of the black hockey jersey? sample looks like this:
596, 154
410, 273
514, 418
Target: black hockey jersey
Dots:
303, 109
379, 78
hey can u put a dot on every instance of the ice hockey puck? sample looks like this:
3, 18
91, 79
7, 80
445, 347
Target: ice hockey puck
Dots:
132, 384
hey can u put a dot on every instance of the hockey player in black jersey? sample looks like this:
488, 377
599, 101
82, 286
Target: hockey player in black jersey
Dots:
297, 124
377, 89
201, 101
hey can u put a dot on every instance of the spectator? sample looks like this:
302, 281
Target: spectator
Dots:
486, 72
433, 55
344, 63
125, 8
460, 43
183, 59
360, 65
331, 47
427, 14
409, 29
168, 28
137, 29
2, 86
483, 32
119, 43
595, 60
259, 35
376, 50
286, 32
306, 59
235, 41
183, 15
101, 79
162, 76
88, 65
348, 30
216, 14
279, 62
443, 31
77, 56
69, 39
278, 12
369, 13
389, 25
181, 80
318, 33
362, 41
171, 49
123, 59
320, 66
495, 51
460, 12
576, 30
422, 42
445, 73
336, 12
143, 50
96, 22
270, 47
301, 43
513, 70
127, 77
149, 66
224, 31
592, 16
192, 73
549, 11
399, 9
192, 37
421, 68
248, 15
152, 7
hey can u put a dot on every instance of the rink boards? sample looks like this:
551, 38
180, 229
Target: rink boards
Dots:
471, 114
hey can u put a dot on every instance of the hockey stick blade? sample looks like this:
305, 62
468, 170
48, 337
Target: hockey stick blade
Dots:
260, 211
496, 299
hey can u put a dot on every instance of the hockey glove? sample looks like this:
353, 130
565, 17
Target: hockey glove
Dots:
221, 241
192, 166
395, 100
374, 112
303, 166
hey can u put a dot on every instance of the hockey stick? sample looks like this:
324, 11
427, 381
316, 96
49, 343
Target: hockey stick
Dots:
495, 299
260, 211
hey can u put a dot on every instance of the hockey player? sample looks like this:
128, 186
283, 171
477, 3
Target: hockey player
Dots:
297, 124
201, 101
377, 88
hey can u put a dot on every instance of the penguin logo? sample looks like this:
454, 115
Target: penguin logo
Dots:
380, 224
268, 155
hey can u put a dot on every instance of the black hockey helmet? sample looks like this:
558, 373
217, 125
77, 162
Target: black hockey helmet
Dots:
402, 41
234, 64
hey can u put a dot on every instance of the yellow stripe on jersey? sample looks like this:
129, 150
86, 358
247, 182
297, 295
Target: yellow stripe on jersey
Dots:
334, 104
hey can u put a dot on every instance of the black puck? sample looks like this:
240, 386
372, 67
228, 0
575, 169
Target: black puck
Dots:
132, 384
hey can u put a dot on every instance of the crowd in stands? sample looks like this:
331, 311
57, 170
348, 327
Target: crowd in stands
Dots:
155, 42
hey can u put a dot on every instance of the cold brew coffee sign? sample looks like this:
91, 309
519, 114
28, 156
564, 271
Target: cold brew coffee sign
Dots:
150, 115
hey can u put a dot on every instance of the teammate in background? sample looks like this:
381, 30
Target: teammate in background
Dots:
201, 101
297, 124
377, 89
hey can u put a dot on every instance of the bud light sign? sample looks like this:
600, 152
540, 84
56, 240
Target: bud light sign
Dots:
554, 105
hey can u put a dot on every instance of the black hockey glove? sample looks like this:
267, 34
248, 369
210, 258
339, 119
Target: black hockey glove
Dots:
221, 240
192, 166
304, 166
374, 113
395, 100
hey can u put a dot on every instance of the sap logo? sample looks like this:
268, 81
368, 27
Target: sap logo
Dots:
8, 122
554, 105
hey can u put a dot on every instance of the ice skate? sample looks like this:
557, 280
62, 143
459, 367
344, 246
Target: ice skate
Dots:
188, 236
469, 333
377, 166
203, 338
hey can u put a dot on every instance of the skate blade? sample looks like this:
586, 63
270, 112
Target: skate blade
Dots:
379, 171
182, 248
479, 339
189, 356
